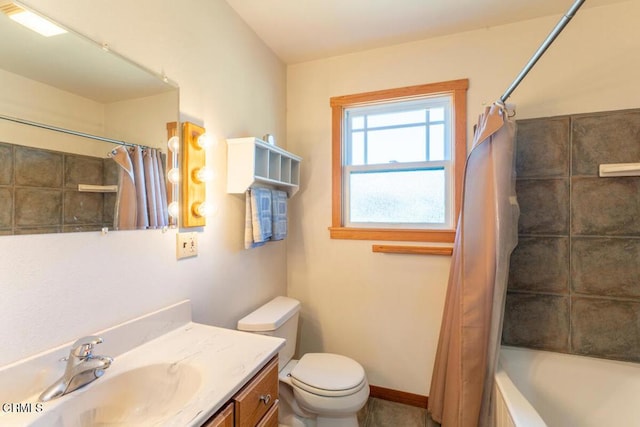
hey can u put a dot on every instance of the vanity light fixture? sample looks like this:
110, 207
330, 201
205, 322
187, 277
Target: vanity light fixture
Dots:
31, 20
195, 176
173, 176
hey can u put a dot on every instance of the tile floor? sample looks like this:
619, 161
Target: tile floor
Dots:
382, 413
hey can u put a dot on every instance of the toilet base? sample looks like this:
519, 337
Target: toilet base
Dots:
293, 421
287, 417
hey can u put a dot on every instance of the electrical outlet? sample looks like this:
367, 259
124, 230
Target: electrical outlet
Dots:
186, 245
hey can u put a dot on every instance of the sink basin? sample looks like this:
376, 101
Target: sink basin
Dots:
140, 396
168, 372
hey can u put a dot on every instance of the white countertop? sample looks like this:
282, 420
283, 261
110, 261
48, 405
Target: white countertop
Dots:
223, 360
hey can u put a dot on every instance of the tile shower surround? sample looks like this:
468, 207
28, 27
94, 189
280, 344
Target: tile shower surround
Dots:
39, 191
574, 281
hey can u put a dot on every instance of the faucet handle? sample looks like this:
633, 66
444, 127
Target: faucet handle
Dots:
84, 346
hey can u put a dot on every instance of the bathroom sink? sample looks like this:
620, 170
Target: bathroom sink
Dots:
167, 371
140, 396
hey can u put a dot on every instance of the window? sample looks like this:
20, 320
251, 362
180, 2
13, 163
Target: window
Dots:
398, 157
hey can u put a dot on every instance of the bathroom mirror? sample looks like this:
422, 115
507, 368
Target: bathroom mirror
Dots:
65, 101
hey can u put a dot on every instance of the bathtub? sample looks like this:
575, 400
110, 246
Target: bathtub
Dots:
539, 388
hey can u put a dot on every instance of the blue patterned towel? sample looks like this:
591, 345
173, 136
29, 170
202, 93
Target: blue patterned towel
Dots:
257, 217
248, 224
279, 214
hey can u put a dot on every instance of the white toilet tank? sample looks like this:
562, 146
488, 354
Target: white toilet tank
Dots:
278, 318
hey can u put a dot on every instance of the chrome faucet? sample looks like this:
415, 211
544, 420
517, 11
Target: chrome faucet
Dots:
83, 367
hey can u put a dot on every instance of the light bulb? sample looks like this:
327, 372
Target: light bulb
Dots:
174, 209
203, 174
202, 209
174, 175
203, 141
174, 144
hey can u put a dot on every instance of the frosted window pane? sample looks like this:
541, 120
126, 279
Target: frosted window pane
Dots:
394, 119
397, 145
398, 197
436, 143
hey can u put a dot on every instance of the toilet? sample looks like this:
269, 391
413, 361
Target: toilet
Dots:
320, 389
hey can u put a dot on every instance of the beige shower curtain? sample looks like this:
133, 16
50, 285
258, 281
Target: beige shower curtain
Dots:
142, 217
142, 200
469, 342
126, 210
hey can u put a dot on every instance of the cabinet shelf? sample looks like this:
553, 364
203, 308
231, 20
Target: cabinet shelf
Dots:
252, 161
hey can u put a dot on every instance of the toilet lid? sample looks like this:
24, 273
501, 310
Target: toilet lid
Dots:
328, 374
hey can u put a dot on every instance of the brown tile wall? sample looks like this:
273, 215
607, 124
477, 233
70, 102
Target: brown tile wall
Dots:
38, 191
574, 280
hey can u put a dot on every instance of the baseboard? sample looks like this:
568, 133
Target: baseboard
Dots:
399, 396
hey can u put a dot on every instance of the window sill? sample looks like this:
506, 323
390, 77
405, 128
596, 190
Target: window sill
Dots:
401, 235
412, 250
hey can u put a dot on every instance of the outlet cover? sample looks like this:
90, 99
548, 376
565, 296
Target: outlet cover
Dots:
186, 245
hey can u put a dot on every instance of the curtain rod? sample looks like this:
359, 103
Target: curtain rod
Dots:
542, 49
70, 132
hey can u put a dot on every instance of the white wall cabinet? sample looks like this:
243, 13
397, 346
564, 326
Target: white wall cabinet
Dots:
252, 161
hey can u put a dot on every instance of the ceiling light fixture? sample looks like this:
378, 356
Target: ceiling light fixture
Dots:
31, 20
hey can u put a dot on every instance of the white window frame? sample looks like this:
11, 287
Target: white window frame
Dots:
428, 102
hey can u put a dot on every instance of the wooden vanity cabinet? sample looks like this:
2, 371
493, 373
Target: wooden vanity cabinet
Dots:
271, 417
223, 418
255, 405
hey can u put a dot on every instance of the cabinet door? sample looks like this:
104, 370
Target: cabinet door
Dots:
257, 397
222, 419
271, 419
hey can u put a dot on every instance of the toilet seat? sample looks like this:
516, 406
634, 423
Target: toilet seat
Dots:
328, 375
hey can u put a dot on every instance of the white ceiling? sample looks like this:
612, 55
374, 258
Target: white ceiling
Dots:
303, 30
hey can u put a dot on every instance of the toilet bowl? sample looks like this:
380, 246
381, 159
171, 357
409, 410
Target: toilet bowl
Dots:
319, 389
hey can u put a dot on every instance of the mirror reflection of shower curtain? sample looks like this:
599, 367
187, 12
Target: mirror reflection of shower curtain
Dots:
142, 217
469, 343
141, 200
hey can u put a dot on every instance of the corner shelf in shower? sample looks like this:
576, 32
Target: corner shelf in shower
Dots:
251, 161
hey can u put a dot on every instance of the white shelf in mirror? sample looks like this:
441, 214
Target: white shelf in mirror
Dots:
252, 161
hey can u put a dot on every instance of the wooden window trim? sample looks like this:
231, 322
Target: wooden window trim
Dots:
413, 250
458, 90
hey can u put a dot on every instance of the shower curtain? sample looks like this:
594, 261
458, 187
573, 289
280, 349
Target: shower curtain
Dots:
142, 195
469, 342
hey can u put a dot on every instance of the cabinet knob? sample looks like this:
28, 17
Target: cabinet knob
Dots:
265, 398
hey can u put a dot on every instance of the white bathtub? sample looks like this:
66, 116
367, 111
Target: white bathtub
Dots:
541, 388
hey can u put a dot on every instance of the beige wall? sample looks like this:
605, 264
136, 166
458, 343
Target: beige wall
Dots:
56, 288
31, 100
384, 310
140, 120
